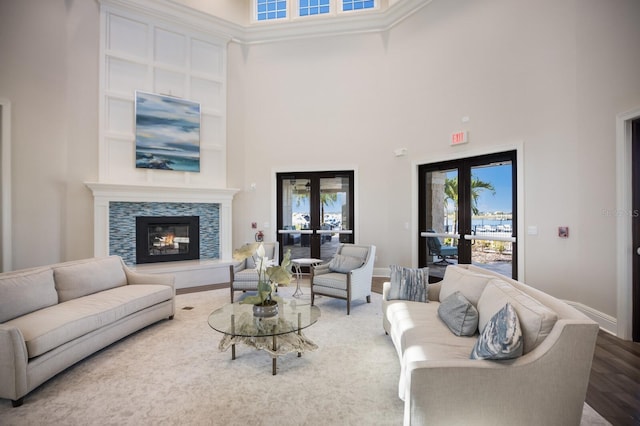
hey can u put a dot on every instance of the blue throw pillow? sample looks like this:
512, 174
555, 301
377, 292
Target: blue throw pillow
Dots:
459, 315
501, 337
409, 284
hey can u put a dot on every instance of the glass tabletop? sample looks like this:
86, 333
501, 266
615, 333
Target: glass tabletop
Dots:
237, 319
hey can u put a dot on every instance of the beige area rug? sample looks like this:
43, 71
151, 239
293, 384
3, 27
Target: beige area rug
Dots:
172, 373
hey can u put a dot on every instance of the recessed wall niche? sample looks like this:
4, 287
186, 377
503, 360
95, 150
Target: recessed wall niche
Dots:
145, 53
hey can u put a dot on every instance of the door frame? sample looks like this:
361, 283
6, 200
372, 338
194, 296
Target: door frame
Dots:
624, 247
6, 252
313, 169
459, 154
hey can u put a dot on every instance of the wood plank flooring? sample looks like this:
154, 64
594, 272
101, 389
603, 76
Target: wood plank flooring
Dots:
614, 385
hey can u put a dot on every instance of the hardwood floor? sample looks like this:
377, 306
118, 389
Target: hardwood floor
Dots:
614, 385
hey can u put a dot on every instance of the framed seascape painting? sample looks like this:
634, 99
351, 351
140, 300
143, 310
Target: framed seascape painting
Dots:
167, 133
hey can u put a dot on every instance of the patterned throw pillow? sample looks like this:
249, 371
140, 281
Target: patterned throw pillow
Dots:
459, 315
408, 284
501, 337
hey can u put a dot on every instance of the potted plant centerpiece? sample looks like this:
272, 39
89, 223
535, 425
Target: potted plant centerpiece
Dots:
270, 274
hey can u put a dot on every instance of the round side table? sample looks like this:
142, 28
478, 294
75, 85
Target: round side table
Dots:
297, 264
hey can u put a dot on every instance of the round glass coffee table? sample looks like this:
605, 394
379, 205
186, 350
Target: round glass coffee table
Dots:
277, 335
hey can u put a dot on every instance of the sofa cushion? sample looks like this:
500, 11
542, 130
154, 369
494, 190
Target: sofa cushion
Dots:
470, 284
501, 337
536, 320
22, 292
459, 315
48, 328
344, 264
408, 284
80, 278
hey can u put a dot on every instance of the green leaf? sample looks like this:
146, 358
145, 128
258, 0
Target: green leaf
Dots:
245, 251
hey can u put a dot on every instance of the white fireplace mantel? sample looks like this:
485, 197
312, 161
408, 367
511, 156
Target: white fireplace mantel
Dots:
104, 193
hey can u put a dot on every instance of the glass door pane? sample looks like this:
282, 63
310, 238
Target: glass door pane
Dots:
492, 217
334, 214
441, 219
296, 217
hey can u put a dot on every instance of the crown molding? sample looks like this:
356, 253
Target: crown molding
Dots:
377, 21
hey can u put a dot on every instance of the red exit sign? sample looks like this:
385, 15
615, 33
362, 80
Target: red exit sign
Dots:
458, 138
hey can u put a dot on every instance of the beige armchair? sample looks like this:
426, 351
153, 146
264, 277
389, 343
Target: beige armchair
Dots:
347, 276
243, 276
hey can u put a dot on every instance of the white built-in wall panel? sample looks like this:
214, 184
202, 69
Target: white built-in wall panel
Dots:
141, 52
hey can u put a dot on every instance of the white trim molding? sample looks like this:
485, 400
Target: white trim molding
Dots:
376, 21
625, 250
104, 193
606, 322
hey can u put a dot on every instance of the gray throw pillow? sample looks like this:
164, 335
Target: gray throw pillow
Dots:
459, 315
501, 337
344, 264
408, 284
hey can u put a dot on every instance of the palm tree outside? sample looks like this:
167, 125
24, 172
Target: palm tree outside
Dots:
451, 194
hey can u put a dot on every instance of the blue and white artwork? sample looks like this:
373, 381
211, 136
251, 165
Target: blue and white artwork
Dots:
167, 133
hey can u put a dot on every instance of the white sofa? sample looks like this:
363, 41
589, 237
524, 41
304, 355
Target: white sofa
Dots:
441, 385
53, 316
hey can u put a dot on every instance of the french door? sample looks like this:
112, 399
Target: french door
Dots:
315, 213
467, 213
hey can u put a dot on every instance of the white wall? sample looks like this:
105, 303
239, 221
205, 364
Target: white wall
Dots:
551, 76
49, 72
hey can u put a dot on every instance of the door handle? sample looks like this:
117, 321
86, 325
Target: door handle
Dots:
638, 250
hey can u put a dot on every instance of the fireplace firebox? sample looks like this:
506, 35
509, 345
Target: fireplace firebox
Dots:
167, 238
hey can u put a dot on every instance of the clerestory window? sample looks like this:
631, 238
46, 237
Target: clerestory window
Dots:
271, 9
268, 10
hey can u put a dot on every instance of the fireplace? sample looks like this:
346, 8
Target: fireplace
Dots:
167, 238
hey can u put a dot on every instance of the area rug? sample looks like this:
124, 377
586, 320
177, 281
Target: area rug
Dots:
172, 373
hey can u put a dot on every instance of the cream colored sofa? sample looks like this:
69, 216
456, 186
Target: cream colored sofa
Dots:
52, 317
441, 385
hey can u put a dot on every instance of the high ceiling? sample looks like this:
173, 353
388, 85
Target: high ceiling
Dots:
235, 15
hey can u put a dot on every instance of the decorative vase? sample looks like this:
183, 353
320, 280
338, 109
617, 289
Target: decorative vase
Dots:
268, 310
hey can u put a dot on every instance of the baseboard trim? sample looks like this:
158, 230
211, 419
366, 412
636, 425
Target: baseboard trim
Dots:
606, 322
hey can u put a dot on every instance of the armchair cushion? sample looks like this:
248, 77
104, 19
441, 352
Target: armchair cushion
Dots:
408, 284
335, 280
344, 264
246, 275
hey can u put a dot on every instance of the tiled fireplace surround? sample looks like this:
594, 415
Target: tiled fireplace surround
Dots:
115, 205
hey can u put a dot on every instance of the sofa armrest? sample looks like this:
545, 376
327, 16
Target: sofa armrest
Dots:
546, 386
386, 286
136, 278
13, 363
433, 292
